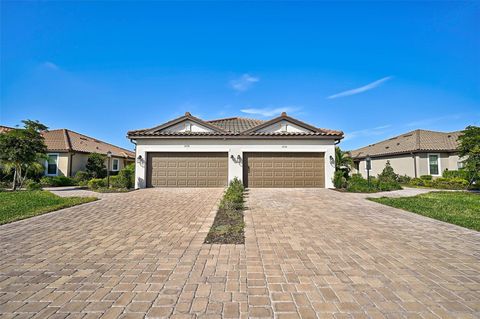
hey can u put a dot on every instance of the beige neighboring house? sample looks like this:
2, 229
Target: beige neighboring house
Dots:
68, 152
414, 154
191, 152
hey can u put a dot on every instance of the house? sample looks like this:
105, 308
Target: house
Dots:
191, 152
68, 152
414, 154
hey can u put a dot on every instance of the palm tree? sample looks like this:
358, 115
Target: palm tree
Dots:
343, 161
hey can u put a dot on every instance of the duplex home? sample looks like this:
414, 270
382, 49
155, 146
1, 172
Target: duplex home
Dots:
191, 152
68, 152
414, 154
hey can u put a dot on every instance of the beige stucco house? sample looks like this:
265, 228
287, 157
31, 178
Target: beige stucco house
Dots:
68, 152
191, 152
414, 154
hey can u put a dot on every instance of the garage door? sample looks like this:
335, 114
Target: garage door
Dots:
284, 169
187, 169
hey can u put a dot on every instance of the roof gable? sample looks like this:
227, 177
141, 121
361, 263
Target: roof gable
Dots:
178, 125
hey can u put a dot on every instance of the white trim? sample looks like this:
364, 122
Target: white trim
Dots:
438, 164
46, 164
118, 165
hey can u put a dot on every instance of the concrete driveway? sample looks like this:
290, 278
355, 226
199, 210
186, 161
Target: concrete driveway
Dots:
308, 254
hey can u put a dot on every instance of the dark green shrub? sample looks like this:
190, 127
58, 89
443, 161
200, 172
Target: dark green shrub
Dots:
116, 182
387, 185
127, 176
32, 185
455, 174
96, 183
82, 177
426, 177
57, 181
96, 165
358, 184
404, 179
339, 180
388, 174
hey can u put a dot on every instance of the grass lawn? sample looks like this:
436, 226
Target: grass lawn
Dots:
24, 204
459, 208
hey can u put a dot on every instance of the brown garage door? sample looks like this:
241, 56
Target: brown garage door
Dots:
284, 169
187, 169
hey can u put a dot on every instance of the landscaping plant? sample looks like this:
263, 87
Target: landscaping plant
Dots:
228, 226
96, 165
21, 151
469, 151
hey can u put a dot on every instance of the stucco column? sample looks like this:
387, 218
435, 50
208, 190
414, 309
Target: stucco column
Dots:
235, 164
140, 169
329, 166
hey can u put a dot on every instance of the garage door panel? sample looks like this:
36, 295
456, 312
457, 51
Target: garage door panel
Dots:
284, 169
187, 169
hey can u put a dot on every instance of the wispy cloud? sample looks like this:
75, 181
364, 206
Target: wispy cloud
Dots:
375, 131
244, 82
50, 65
432, 120
361, 89
269, 111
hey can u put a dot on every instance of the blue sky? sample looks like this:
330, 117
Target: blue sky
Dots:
373, 70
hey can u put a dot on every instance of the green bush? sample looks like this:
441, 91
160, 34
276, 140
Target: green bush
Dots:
115, 182
233, 198
426, 177
96, 183
339, 180
96, 165
404, 179
417, 182
82, 176
455, 174
387, 185
358, 184
450, 183
127, 176
32, 185
57, 181
388, 175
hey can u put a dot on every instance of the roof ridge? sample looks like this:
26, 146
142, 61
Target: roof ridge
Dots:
68, 143
234, 118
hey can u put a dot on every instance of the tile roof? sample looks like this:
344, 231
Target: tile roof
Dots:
67, 140
234, 126
414, 141
4, 129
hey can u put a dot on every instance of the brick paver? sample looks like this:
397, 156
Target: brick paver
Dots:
309, 253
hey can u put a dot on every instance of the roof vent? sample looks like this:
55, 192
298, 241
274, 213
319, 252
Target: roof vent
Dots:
83, 138
387, 147
449, 136
283, 114
398, 143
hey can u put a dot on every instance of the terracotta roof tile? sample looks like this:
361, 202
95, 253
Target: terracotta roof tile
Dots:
418, 140
236, 124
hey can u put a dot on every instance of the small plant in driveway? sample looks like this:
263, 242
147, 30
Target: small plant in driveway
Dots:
228, 226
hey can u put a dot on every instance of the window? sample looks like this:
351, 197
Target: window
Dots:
115, 164
51, 165
433, 164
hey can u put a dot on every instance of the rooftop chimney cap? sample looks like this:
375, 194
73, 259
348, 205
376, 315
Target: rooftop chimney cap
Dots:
284, 114
187, 114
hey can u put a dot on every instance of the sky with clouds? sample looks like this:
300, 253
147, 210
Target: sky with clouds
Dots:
373, 70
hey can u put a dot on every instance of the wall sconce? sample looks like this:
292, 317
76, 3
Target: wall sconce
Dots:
237, 159
139, 159
332, 160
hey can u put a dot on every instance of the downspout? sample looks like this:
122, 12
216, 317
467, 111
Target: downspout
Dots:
70, 164
414, 164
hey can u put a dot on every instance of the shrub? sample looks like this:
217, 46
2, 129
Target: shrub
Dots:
404, 179
127, 176
426, 177
388, 185
358, 184
339, 180
82, 177
455, 174
115, 182
417, 182
32, 185
388, 174
233, 198
450, 183
56, 181
96, 165
96, 183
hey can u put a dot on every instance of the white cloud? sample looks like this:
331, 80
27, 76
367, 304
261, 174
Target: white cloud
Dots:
361, 89
269, 111
50, 65
244, 82
379, 130
432, 120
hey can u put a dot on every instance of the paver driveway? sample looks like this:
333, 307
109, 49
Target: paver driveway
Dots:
308, 253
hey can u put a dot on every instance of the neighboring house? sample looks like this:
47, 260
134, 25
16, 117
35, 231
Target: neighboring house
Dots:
68, 152
190, 152
414, 154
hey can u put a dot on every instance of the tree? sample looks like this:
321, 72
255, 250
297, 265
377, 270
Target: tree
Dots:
96, 165
21, 150
388, 174
343, 161
469, 150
